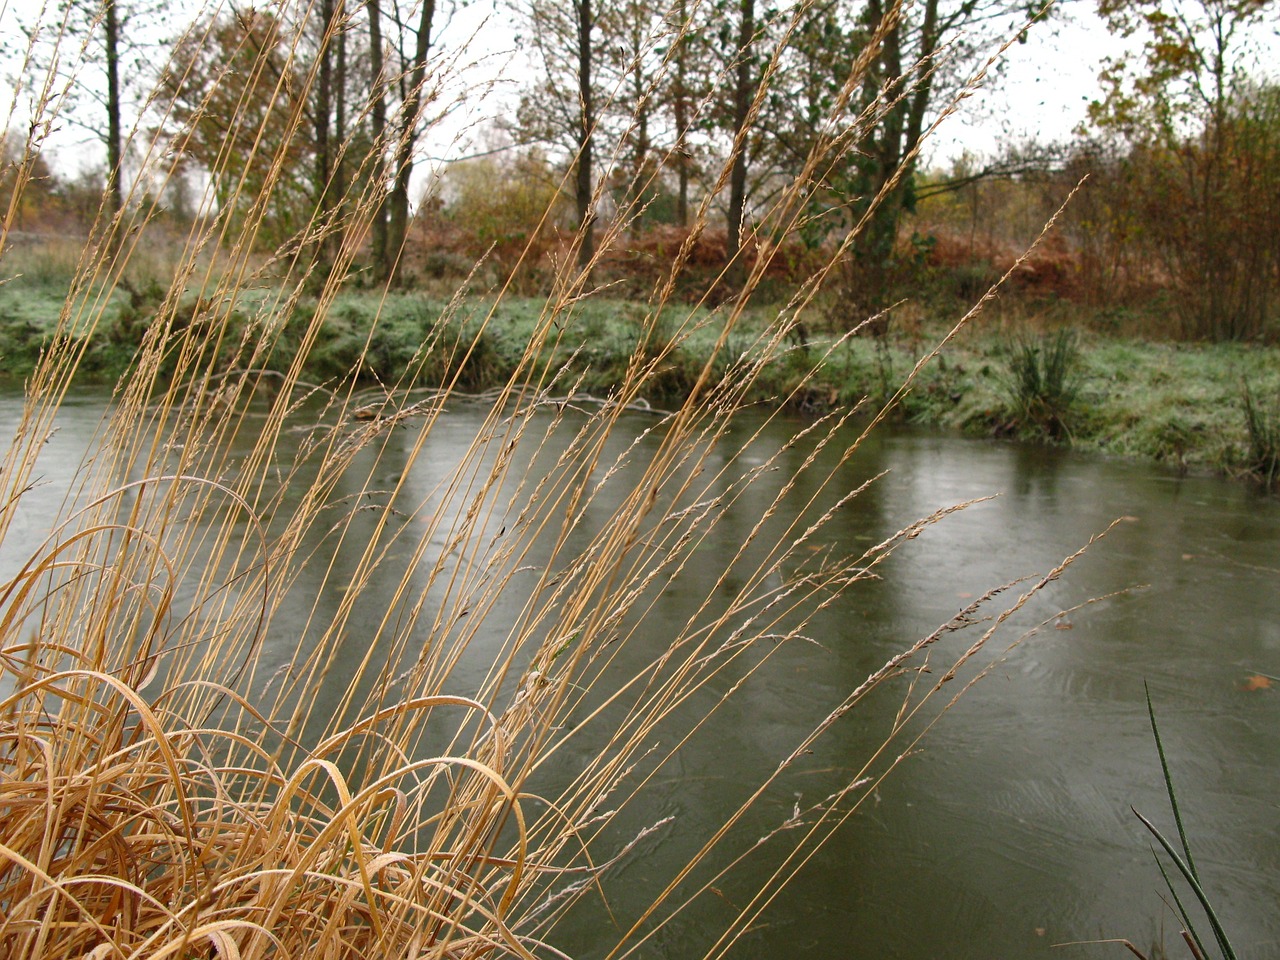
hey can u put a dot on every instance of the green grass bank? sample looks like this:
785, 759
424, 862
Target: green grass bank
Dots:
1199, 407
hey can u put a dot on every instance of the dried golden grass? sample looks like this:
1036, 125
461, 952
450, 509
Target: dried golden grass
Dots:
165, 791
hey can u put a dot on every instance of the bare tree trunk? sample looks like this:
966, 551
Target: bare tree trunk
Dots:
583, 184
115, 137
883, 229
640, 190
871, 269
743, 93
340, 111
407, 136
924, 89
680, 97
323, 108
322, 172
382, 264
875, 263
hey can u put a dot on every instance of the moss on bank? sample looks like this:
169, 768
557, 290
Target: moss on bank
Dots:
1177, 404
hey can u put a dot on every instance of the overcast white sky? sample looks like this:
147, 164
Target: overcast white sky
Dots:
1041, 92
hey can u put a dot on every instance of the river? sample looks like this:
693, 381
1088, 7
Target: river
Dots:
1009, 830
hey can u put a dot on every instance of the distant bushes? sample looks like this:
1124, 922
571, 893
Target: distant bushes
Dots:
1198, 217
1172, 232
453, 245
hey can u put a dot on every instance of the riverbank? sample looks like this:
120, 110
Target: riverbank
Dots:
1180, 404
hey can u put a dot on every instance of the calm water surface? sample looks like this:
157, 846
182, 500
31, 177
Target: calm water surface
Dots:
1010, 831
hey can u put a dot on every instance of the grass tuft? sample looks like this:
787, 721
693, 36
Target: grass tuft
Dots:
1041, 384
1262, 423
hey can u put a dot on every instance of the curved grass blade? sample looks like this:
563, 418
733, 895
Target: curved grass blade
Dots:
1183, 862
1168, 785
1189, 932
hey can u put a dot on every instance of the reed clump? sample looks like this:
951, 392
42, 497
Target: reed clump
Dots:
200, 756
1042, 384
1262, 425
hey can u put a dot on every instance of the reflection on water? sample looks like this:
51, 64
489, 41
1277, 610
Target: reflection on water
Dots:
1011, 829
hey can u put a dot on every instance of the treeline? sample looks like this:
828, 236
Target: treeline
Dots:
645, 134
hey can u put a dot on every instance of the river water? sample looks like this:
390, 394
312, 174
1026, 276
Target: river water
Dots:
1009, 830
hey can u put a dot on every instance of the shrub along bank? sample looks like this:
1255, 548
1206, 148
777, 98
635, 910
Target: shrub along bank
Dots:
1190, 406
